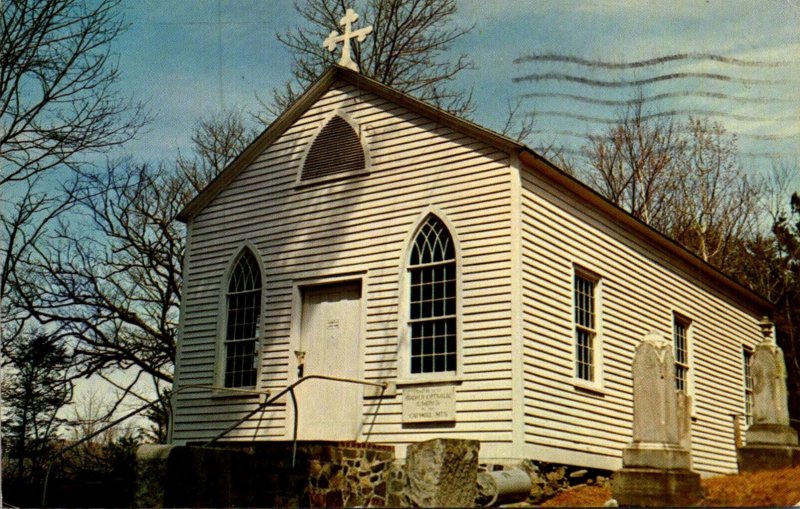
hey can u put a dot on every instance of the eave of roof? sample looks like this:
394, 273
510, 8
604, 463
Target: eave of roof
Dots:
535, 162
257, 146
529, 159
306, 100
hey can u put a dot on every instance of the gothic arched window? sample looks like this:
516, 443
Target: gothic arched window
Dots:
243, 322
432, 299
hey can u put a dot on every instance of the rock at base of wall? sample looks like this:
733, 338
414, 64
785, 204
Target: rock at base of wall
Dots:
651, 487
266, 474
442, 473
767, 457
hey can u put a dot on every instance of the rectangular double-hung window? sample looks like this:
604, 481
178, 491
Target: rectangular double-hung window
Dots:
585, 328
680, 333
747, 355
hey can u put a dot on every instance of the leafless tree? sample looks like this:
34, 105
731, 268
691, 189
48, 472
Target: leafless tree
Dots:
57, 77
112, 278
716, 199
684, 179
109, 276
406, 49
780, 181
58, 108
216, 141
633, 164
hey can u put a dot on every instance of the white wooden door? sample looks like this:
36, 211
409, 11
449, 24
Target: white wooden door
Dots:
329, 336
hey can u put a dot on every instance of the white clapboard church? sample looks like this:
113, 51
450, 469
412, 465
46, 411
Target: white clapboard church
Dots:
480, 291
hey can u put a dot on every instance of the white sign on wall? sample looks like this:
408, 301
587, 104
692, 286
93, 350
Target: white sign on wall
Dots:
429, 404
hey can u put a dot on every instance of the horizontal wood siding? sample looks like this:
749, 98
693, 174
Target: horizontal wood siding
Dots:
348, 226
641, 288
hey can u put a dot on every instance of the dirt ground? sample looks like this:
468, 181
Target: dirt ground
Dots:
773, 488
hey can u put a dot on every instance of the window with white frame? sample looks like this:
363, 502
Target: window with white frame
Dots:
680, 334
747, 355
432, 299
243, 322
585, 327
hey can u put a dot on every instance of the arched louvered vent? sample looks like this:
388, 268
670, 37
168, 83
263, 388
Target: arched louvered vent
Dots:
337, 149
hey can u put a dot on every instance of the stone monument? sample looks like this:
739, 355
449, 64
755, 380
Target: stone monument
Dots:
770, 441
656, 465
442, 473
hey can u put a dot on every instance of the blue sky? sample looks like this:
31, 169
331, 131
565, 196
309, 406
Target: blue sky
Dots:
178, 57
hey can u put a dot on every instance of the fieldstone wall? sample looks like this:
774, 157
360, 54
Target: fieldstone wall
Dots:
333, 474
263, 475
350, 475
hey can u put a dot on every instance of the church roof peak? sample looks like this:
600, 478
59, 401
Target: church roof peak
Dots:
528, 160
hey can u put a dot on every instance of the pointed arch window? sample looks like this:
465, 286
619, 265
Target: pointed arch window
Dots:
335, 151
243, 322
432, 313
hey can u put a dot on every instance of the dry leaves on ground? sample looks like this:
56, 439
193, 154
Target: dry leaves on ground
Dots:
769, 488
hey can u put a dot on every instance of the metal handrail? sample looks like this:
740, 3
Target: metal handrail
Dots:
261, 406
290, 390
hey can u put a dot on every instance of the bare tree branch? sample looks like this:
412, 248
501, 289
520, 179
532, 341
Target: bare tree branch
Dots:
57, 77
406, 49
108, 275
716, 199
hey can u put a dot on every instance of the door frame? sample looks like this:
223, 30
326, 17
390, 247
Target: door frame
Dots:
299, 285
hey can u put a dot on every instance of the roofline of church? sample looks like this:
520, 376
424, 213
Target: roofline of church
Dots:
306, 99
530, 159
533, 161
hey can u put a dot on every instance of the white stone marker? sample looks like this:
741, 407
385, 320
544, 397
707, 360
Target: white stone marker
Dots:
656, 465
771, 442
347, 21
768, 369
656, 426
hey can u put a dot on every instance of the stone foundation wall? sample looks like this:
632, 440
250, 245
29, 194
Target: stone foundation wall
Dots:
350, 475
263, 475
330, 474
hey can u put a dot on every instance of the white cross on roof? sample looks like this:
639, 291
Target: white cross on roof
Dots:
349, 18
